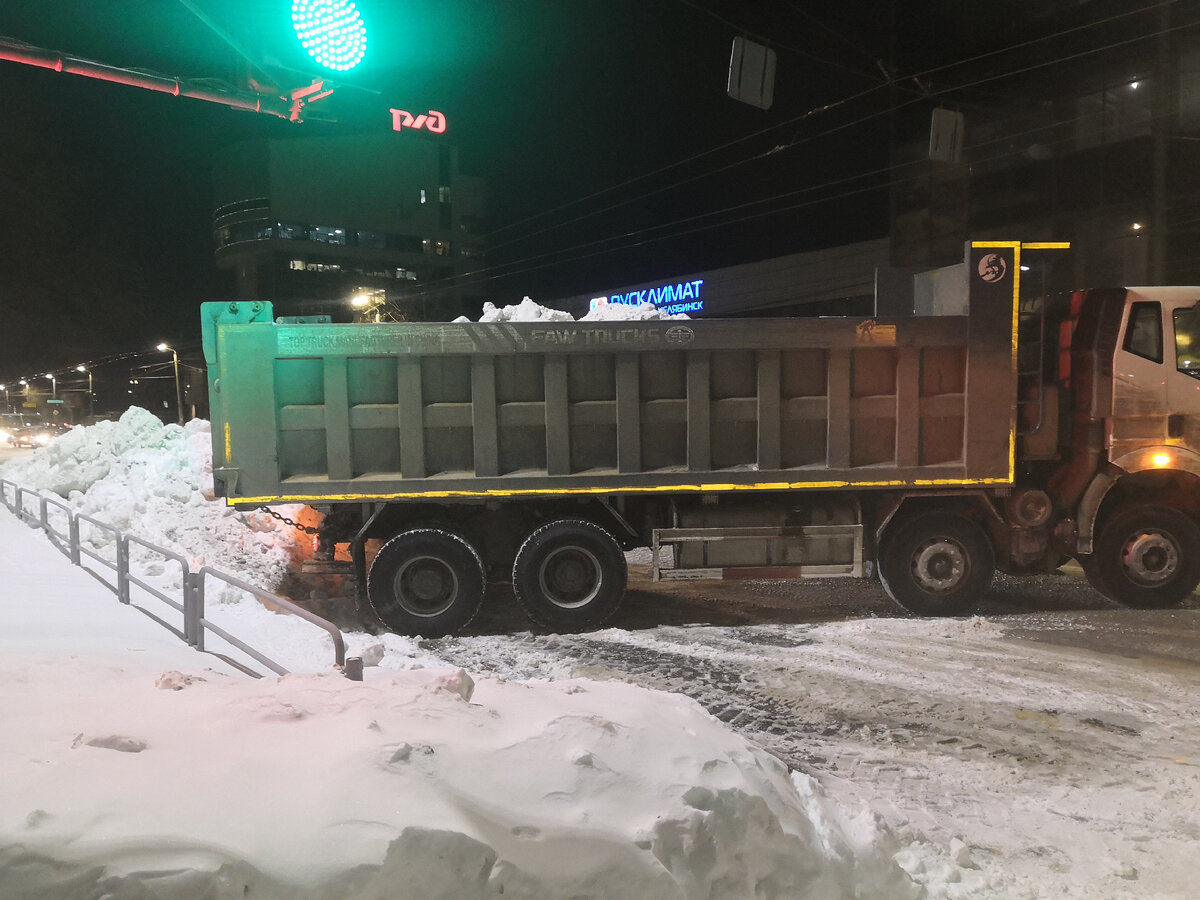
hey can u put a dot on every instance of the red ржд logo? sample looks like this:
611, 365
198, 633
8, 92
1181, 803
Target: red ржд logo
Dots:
432, 121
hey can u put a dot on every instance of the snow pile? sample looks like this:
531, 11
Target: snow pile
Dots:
154, 481
529, 311
142, 774
525, 311
623, 312
426, 786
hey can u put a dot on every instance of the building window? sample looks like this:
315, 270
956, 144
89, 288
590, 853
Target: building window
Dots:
325, 235
301, 265
443, 194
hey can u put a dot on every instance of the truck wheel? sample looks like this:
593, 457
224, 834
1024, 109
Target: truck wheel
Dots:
569, 575
1149, 556
1091, 571
937, 564
426, 582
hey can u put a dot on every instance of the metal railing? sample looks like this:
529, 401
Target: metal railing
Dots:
61, 526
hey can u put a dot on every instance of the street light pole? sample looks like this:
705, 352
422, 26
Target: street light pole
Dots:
178, 390
91, 396
7, 405
53, 385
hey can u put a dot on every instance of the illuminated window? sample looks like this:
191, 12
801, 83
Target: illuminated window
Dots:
1187, 341
325, 235
443, 194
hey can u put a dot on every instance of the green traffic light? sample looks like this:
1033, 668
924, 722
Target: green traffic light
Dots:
331, 31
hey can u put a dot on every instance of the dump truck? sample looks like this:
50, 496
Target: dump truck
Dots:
980, 424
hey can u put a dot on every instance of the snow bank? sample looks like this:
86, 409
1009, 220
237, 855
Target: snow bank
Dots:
421, 784
155, 481
529, 311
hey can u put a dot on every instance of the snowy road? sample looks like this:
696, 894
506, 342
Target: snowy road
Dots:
1050, 753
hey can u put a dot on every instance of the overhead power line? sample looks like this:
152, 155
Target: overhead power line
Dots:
814, 111
596, 247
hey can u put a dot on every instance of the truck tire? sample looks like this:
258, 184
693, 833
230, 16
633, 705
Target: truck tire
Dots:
426, 582
569, 575
1149, 556
1091, 571
937, 564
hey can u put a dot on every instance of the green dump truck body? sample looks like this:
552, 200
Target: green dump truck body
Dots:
308, 411
1003, 432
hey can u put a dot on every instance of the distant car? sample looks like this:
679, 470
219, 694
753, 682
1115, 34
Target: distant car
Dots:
18, 431
36, 436
10, 424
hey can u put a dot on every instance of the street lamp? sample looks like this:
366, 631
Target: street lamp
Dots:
368, 302
53, 384
163, 348
91, 397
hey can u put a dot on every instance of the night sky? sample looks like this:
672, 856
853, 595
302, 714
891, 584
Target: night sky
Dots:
614, 108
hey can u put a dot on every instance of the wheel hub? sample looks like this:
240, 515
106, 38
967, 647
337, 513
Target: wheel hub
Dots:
426, 586
1150, 558
570, 577
939, 565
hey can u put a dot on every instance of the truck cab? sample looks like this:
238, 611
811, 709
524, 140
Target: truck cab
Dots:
1130, 481
1156, 380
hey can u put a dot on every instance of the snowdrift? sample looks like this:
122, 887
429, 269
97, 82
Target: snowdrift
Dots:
418, 784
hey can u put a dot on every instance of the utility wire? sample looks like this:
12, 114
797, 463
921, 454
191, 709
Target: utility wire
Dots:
774, 44
826, 133
795, 120
596, 247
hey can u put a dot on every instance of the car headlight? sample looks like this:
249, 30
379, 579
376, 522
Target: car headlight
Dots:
4, 435
43, 438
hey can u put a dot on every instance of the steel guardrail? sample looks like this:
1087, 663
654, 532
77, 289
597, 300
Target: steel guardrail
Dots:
23, 512
67, 543
14, 498
339, 644
84, 550
131, 578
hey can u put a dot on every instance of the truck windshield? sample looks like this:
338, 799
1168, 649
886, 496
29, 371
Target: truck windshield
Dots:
1187, 341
